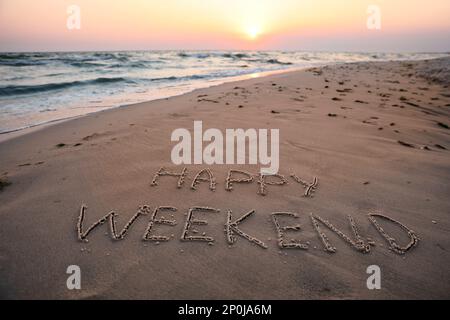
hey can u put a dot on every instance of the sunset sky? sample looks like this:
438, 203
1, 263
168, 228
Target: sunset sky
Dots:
330, 25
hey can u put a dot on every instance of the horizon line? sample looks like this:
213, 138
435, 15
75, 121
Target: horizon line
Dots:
221, 50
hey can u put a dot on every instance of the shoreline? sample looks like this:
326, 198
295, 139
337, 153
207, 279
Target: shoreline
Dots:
7, 135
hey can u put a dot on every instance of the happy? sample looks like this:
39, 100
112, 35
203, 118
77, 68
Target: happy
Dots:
236, 176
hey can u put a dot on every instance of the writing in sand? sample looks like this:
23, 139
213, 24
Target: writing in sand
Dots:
233, 222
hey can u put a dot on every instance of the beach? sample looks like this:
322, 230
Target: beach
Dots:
374, 134
38, 88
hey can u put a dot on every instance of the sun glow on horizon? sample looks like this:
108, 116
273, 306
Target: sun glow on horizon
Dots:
223, 24
253, 32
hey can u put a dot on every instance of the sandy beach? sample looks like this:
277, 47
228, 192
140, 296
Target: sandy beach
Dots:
375, 135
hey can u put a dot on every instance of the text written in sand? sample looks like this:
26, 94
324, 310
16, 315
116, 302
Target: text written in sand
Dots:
233, 221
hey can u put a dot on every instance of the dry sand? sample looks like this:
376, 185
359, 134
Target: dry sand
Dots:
341, 124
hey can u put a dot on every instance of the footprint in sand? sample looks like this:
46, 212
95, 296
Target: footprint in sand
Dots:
405, 144
4, 182
440, 147
442, 125
24, 164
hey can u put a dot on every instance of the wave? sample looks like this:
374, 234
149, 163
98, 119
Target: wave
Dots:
276, 61
129, 65
20, 63
104, 55
257, 57
22, 59
33, 89
74, 59
194, 55
81, 64
235, 55
213, 54
30, 89
184, 78
12, 56
118, 60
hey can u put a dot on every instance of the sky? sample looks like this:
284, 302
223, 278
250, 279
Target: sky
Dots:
323, 25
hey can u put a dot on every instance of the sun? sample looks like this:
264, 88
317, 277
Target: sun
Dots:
253, 31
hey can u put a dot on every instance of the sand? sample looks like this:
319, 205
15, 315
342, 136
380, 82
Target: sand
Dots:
374, 135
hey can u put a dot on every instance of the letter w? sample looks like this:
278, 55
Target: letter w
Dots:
112, 223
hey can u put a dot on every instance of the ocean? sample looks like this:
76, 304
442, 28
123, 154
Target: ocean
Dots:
37, 88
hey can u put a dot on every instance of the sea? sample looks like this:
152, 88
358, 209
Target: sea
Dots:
42, 87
